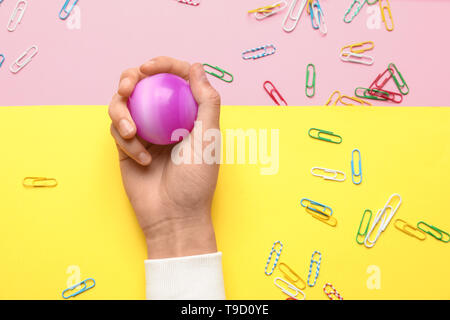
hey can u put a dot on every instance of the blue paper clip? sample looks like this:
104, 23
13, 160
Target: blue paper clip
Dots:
263, 54
2, 57
355, 174
276, 258
311, 266
314, 203
83, 289
319, 14
67, 12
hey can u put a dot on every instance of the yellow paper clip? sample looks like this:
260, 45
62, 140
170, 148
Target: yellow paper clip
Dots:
287, 274
266, 9
331, 98
386, 7
415, 231
330, 220
365, 46
39, 182
352, 100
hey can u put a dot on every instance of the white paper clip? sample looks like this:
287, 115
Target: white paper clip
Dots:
333, 178
294, 18
279, 6
381, 216
24, 59
356, 58
290, 286
18, 9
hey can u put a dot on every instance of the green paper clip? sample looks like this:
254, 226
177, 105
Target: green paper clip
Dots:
441, 232
367, 226
399, 85
313, 85
367, 95
319, 137
222, 75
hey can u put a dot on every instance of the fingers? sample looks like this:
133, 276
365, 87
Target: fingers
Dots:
166, 65
132, 148
207, 97
121, 117
128, 81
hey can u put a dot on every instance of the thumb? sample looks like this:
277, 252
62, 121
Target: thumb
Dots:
207, 97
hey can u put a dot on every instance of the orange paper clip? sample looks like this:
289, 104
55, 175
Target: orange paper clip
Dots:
331, 98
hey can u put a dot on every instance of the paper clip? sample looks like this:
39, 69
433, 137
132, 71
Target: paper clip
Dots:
439, 231
363, 234
381, 217
311, 266
271, 10
383, 16
332, 178
277, 257
292, 17
371, 3
332, 293
39, 182
289, 272
24, 59
290, 286
221, 76
329, 220
352, 101
317, 17
356, 58
367, 94
272, 91
327, 133
2, 59
361, 45
83, 289
357, 5
354, 173
375, 84
331, 98
414, 231
189, 2
321, 210
65, 11
313, 84
388, 95
268, 50
19, 9
400, 85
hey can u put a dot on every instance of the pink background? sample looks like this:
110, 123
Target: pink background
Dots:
83, 66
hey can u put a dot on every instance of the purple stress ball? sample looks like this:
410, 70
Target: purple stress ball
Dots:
161, 104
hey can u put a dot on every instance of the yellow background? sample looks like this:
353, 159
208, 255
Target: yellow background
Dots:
87, 220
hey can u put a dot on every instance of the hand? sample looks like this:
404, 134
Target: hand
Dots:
172, 202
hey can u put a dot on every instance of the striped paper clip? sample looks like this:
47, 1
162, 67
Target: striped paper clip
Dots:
363, 234
383, 9
333, 294
316, 207
189, 2
323, 134
310, 87
265, 12
2, 59
317, 17
24, 59
337, 175
293, 17
317, 262
437, 230
289, 286
330, 99
410, 230
65, 13
224, 75
356, 58
353, 11
399, 80
277, 257
84, 288
288, 273
39, 182
17, 15
267, 51
350, 101
356, 173
271, 91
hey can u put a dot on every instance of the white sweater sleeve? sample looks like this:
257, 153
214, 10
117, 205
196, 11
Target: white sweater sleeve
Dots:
186, 278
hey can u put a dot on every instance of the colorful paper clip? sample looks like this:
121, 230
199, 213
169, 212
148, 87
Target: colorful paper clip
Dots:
330, 99
439, 231
387, 95
265, 12
311, 86
355, 7
385, 76
401, 84
350, 101
222, 74
287, 274
362, 45
20, 8
322, 209
277, 257
65, 13
356, 58
331, 294
334, 137
317, 17
381, 217
24, 59
387, 8
39, 182
295, 18
363, 234
317, 270
410, 230
356, 174
83, 289
334, 177
367, 94
189, 2
2, 59
267, 51
289, 286
272, 91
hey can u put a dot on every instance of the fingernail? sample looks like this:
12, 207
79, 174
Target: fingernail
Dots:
144, 158
126, 128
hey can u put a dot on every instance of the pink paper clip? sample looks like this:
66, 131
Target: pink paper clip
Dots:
271, 92
189, 2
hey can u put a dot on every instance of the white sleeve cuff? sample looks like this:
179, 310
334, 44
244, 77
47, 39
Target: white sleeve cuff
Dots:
186, 278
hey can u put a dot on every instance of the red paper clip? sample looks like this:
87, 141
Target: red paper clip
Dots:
189, 2
388, 95
375, 83
271, 92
